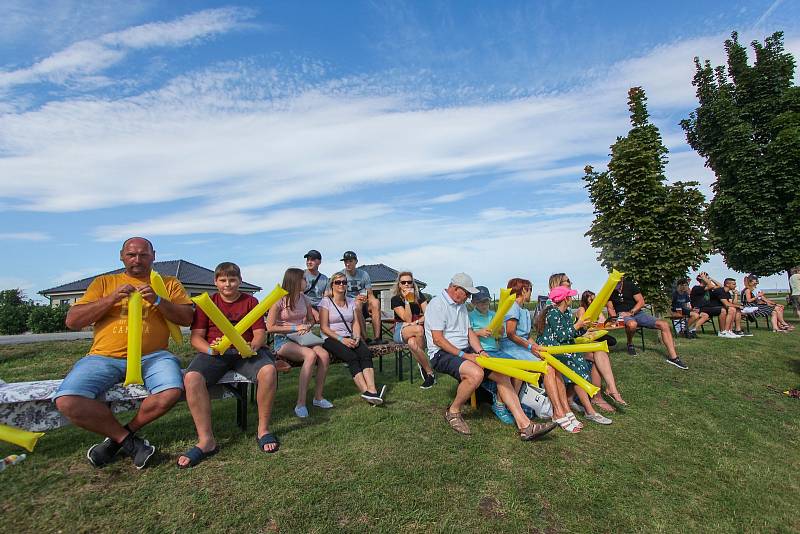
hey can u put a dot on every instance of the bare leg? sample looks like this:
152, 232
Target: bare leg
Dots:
91, 415
471, 377
298, 353
630, 330
505, 390
369, 379
154, 407
375, 314
200, 407
703, 318
666, 338
416, 344
554, 386
361, 384
265, 395
323, 363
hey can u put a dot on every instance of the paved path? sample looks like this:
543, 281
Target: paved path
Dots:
55, 336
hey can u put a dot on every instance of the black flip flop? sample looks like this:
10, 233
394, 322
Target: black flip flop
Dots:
267, 439
197, 455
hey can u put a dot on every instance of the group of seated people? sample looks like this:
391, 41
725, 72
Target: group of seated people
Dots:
442, 334
709, 299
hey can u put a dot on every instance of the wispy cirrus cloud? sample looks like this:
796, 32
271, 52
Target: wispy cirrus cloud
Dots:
24, 236
86, 58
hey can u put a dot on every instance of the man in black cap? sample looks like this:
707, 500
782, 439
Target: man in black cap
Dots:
359, 287
316, 282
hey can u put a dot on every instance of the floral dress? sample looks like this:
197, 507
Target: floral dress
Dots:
559, 330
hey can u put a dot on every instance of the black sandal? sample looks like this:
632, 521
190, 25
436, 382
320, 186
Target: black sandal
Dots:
266, 439
197, 455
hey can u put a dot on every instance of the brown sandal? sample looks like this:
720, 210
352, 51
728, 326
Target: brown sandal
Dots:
616, 397
534, 430
456, 422
603, 405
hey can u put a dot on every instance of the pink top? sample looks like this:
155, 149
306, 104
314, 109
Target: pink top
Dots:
287, 316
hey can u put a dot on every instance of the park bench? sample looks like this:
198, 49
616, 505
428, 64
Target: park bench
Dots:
29, 405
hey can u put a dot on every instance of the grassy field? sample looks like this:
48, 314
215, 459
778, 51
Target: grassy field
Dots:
709, 449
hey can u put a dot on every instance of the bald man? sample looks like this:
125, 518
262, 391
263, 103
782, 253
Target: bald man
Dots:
105, 305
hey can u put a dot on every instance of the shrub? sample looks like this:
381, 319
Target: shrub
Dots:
44, 319
13, 318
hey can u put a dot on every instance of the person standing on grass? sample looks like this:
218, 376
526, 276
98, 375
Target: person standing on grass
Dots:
409, 304
316, 282
342, 333
359, 287
453, 347
627, 301
208, 365
292, 314
105, 305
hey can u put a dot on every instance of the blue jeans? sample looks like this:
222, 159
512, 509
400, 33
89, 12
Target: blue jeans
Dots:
93, 375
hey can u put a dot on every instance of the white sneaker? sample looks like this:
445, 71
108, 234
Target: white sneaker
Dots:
733, 334
599, 418
323, 403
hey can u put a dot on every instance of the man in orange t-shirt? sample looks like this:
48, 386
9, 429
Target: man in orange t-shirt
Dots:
105, 305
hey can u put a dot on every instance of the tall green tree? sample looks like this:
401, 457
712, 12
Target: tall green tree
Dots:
643, 226
747, 127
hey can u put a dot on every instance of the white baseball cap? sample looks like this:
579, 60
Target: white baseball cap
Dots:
464, 280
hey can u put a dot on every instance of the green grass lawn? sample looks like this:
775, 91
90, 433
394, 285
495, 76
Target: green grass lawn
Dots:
709, 449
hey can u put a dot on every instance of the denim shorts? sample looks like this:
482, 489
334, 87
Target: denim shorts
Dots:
643, 319
279, 341
398, 332
93, 375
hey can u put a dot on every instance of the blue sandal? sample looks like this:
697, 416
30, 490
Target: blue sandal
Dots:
266, 439
197, 455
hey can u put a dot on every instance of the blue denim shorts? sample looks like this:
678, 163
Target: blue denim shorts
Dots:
398, 332
278, 341
643, 319
93, 375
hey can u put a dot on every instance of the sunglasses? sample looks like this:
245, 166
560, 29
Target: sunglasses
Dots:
340, 283
406, 282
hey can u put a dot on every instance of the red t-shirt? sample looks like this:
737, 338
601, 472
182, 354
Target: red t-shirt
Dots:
234, 311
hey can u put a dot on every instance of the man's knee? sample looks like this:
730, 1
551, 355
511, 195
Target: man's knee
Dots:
631, 325
69, 405
166, 399
193, 380
471, 372
267, 374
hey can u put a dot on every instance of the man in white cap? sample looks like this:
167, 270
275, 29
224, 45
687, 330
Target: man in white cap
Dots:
453, 347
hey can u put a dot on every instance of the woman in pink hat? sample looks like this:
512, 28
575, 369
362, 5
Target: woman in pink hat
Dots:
557, 328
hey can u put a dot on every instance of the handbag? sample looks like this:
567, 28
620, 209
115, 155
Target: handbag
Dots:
309, 339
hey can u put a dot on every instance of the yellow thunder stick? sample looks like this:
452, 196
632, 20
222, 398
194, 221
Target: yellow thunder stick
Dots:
157, 283
252, 316
494, 365
133, 371
205, 303
590, 336
579, 381
599, 302
583, 347
20, 437
525, 365
506, 301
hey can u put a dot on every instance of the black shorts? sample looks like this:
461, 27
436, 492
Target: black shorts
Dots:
449, 364
712, 311
214, 367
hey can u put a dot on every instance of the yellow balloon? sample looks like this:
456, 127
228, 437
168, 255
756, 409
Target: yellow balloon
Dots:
525, 365
133, 372
494, 365
252, 316
579, 381
583, 347
590, 336
506, 301
157, 283
20, 437
205, 303
599, 302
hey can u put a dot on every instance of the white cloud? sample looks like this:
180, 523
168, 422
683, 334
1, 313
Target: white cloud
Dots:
499, 213
84, 58
24, 236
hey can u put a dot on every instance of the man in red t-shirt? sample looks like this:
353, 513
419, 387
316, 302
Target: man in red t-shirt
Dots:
208, 366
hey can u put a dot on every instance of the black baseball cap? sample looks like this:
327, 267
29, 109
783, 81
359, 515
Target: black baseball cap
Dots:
349, 255
313, 254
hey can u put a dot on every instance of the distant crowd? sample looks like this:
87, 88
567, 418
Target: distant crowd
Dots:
323, 319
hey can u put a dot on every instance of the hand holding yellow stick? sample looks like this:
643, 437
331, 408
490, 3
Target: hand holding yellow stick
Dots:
506, 301
157, 283
252, 316
599, 302
525, 365
579, 381
133, 365
20, 437
205, 303
494, 365
590, 336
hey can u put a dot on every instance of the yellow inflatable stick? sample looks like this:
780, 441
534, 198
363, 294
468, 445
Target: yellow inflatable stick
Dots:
157, 283
205, 303
590, 336
506, 301
579, 381
133, 373
599, 302
252, 316
571, 349
20, 437
525, 365
494, 365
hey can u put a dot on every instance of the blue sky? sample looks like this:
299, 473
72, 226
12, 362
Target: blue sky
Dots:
435, 136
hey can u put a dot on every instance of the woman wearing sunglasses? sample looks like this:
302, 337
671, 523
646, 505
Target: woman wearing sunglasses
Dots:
752, 296
409, 306
342, 333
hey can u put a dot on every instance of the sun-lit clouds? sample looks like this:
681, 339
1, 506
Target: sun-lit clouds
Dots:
85, 58
24, 236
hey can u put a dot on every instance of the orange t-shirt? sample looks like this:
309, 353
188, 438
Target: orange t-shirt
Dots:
111, 330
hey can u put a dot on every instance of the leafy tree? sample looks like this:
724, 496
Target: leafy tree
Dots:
747, 127
644, 227
44, 319
12, 297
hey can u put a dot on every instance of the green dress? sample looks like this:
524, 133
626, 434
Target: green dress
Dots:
559, 330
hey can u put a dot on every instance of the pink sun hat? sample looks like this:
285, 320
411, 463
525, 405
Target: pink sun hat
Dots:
560, 293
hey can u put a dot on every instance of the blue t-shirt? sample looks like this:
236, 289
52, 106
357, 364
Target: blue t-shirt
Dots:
358, 283
523, 317
315, 295
478, 321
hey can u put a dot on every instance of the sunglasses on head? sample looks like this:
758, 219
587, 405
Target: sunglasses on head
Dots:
407, 282
340, 282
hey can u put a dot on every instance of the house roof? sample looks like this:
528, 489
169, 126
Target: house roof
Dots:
186, 272
380, 273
